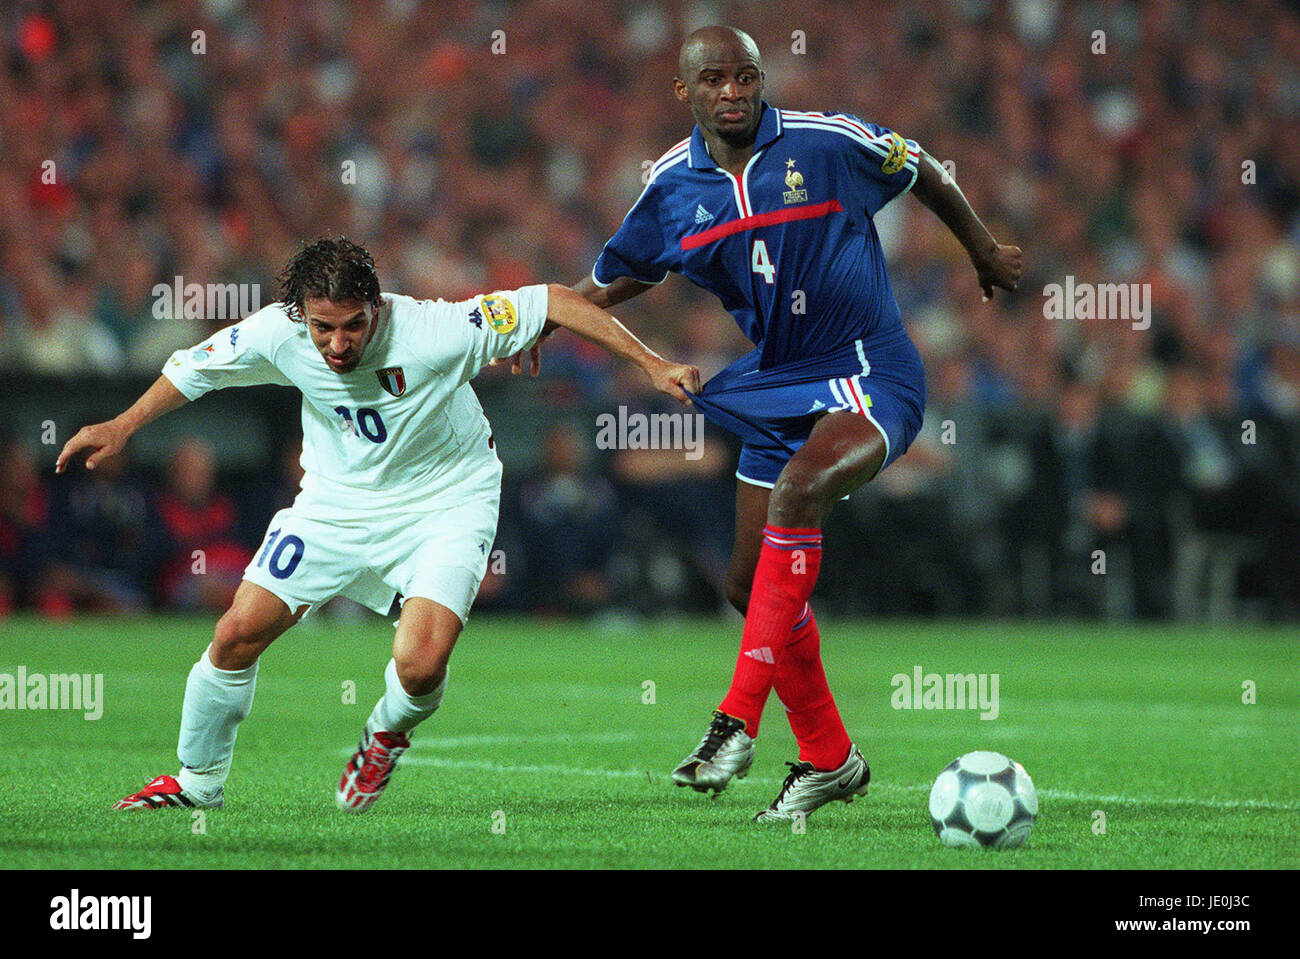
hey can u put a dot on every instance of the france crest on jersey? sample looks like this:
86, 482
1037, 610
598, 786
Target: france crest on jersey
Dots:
790, 249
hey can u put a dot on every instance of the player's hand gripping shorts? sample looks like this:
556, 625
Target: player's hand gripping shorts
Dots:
307, 558
774, 410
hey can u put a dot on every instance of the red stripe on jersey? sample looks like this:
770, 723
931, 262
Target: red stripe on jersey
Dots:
760, 219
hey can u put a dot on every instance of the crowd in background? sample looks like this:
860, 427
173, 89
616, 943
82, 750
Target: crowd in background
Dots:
475, 145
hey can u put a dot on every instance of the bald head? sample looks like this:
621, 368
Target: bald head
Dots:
716, 44
721, 80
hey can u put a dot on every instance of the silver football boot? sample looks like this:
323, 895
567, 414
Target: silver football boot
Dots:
725, 751
806, 789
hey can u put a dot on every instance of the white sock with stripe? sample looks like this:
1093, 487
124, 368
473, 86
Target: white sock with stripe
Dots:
216, 702
397, 710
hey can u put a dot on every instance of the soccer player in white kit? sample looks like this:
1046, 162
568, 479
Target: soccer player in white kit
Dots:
399, 498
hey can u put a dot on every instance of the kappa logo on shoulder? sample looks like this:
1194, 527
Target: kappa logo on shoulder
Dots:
392, 379
476, 317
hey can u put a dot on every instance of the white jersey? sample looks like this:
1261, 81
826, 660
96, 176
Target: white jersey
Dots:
404, 430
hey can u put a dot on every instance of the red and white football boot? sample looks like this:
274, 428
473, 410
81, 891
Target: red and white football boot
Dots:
163, 791
369, 769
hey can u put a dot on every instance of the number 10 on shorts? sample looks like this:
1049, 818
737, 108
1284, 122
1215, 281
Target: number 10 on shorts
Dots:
280, 565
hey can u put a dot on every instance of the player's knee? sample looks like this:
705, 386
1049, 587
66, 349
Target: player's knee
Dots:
421, 674
800, 497
238, 640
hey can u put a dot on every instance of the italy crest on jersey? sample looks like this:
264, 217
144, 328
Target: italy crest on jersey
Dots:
392, 379
500, 313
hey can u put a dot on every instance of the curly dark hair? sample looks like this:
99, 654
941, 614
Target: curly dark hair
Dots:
330, 268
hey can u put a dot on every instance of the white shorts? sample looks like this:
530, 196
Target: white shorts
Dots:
442, 555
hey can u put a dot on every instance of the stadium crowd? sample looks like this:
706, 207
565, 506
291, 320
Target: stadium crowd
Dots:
474, 146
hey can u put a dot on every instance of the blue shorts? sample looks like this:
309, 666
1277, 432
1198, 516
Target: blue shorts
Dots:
774, 410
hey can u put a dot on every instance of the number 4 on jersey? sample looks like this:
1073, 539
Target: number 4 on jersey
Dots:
761, 263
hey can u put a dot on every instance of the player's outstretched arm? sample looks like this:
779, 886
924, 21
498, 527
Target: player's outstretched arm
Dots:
624, 288
105, 439
997, 264
571, 310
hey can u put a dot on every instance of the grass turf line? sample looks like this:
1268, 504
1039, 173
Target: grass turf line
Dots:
545, 727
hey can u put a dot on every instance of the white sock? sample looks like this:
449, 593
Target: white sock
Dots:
397, 710
216, 702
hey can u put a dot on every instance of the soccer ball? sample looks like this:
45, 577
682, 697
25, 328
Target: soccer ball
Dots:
984, 800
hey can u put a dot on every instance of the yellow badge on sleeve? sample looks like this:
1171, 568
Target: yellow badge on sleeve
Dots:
897, 155
500, 313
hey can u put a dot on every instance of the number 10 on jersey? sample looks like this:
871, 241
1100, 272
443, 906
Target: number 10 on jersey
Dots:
368, 423
762, 263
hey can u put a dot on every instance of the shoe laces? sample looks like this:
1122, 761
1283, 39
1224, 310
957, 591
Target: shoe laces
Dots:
797, 770
377, 761
720, 728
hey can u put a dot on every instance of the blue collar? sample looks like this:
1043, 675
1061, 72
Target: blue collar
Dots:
769, 128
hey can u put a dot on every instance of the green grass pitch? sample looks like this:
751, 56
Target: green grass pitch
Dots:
551, 734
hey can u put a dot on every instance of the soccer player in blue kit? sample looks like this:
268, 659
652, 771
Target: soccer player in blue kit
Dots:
771, 210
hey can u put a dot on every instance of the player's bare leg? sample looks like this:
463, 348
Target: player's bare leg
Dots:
426, 634
751, 517
843, 452
255, 619
218, 697
415, 680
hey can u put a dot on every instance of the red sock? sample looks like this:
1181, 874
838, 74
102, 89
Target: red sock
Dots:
783, 581
800, 684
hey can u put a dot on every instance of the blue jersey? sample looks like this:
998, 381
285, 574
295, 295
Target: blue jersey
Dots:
789, 247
